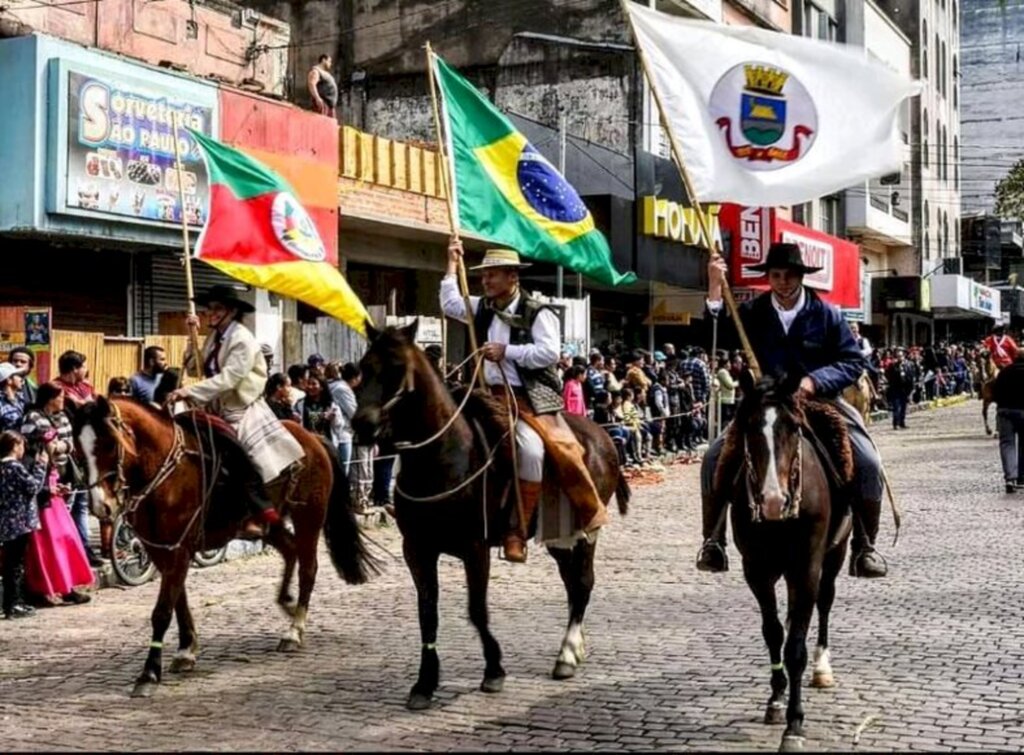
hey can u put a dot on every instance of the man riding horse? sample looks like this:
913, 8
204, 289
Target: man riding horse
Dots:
520, 338
792, 331
235, 374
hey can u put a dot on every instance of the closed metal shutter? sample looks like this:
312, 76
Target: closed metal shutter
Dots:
160, 287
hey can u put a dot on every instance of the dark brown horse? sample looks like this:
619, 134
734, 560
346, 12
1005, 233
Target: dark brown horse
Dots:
788, 523
450, 490
989, 372
139, 459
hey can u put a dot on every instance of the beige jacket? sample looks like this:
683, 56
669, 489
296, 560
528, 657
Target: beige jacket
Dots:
243, 371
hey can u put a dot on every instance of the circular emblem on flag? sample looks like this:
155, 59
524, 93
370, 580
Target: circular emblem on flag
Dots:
765, 116
545, 189
295, 229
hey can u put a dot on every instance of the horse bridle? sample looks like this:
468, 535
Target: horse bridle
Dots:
796, 481
170, 463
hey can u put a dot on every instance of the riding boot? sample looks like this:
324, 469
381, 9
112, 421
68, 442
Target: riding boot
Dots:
865, 561
263, 514
712, 556
515, 539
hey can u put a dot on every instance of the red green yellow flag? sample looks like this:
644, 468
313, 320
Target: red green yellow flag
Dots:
259, 233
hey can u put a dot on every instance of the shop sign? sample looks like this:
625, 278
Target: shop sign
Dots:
984, 300
120, 150
666, 219
31, 327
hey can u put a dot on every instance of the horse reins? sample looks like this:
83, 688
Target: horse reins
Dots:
170, 463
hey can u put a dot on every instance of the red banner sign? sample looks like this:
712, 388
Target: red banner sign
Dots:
754, 229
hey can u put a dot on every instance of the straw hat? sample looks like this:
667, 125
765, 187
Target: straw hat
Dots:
494, 258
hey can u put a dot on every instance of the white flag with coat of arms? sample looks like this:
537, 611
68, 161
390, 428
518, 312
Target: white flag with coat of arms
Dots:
764, 118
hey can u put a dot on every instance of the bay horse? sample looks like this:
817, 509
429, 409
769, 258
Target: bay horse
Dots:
140, 460
861, 396
789, 522
455, 470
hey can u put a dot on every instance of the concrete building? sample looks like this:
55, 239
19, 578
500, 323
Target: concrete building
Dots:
992, 76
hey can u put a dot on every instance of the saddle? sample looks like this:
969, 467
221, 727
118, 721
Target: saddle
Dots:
826, 429
222, 453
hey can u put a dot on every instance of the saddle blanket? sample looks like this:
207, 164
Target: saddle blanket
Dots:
265, 439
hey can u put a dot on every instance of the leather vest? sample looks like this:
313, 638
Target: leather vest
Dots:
543, 387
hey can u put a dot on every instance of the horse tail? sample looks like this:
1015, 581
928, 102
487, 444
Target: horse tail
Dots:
345, 541
623, 494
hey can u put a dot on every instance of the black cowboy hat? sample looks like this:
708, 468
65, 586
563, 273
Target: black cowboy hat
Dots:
225, 295
784, 255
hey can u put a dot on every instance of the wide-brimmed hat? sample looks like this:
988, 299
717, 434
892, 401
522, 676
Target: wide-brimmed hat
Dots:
7, 370
226, 295
500, 258
784, 255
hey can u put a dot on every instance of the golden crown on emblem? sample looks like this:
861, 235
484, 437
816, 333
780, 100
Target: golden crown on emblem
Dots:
765, 79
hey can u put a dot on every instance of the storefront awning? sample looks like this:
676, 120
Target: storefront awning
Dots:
955, 297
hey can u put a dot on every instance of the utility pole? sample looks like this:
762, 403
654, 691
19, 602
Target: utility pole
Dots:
560, 280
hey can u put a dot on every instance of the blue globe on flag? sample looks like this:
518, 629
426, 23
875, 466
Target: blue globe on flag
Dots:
545, 189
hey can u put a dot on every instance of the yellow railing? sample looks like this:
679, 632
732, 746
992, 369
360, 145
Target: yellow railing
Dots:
385, 162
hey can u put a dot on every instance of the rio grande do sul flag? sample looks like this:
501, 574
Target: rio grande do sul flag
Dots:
259, 233
506, 191
764, 118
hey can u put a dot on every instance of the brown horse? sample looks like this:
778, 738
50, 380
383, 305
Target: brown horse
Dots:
455, 469
169, 485
861, 396
788, 522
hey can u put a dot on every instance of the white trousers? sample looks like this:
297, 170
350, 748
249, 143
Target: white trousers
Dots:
531, 453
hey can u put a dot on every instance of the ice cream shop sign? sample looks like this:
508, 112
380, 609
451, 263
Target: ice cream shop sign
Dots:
120, 157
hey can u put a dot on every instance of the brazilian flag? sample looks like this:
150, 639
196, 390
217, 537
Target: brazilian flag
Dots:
505, 190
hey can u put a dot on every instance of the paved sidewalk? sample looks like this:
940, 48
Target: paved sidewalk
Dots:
931, 658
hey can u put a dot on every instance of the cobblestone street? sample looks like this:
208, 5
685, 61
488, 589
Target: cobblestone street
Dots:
931, 658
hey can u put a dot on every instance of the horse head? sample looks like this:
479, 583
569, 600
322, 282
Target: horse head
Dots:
107, 444
769, 420
388, 371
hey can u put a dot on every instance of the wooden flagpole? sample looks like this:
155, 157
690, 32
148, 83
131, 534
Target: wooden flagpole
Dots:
677, 158
463, 282
189, 286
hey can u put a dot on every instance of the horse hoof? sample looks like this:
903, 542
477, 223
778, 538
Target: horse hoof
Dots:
144, 688
775, 714
823, 680
183, 665
792, 743
288, 646
563, 670
493, 685
418, 701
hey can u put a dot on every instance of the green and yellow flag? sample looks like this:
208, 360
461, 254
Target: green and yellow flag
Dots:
259, 233
507, 192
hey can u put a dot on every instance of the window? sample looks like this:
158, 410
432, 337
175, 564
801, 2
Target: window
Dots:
953, 13
945, 154
956, 161
954, 82
924, 49
925, 125
927, 247
802, 214
817, 23
830, 215
938, 149
935, 51
942, 70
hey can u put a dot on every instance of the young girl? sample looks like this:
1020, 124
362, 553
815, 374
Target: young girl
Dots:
572, 392
19, 517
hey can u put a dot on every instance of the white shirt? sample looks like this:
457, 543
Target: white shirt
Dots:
543, 352
865, 347
786, 316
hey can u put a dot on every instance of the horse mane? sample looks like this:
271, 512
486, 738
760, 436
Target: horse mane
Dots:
821, 418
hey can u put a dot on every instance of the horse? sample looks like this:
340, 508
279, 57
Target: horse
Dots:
142, 461
455, 474
989, 372
796, 525
861, 396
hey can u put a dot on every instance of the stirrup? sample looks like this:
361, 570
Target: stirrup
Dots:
712, 557
522, 549
868, 564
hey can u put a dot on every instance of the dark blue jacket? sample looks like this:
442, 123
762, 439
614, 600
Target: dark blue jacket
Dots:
819, 343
